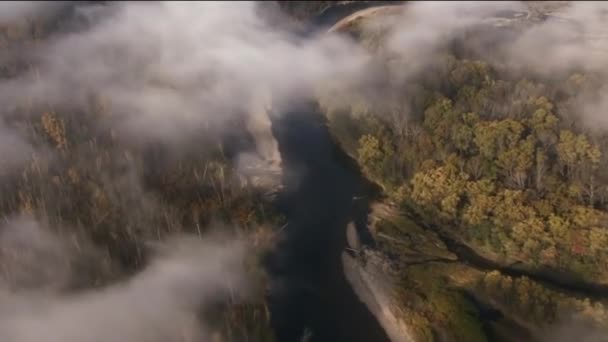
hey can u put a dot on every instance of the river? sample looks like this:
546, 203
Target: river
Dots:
310, 298
308, 286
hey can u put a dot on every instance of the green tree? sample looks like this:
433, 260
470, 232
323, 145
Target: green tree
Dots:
576, 153
439, 119
441, 187
481, 201
495, 137
516, 162
370, 154
462, 136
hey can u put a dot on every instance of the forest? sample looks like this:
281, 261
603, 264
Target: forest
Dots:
493, 219
497, 156
491, 155
111, 198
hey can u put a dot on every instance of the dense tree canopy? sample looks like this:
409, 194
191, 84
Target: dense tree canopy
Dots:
493, 156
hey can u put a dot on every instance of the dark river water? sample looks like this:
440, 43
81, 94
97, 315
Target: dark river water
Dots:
308, 286
310, 295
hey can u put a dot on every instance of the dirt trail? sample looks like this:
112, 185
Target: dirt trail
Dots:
342, 24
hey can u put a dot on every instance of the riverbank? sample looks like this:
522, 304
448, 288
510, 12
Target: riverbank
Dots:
437, 279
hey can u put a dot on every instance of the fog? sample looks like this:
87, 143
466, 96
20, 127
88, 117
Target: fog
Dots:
169, 66
14, 150
426, 27
571, 38
160, 303
165, 70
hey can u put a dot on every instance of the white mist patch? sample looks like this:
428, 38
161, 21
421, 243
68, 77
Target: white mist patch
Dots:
427, 26
552, 41
32, 257
573, 36
168, 71
159, 304
14, 150
259, 172
169, 68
